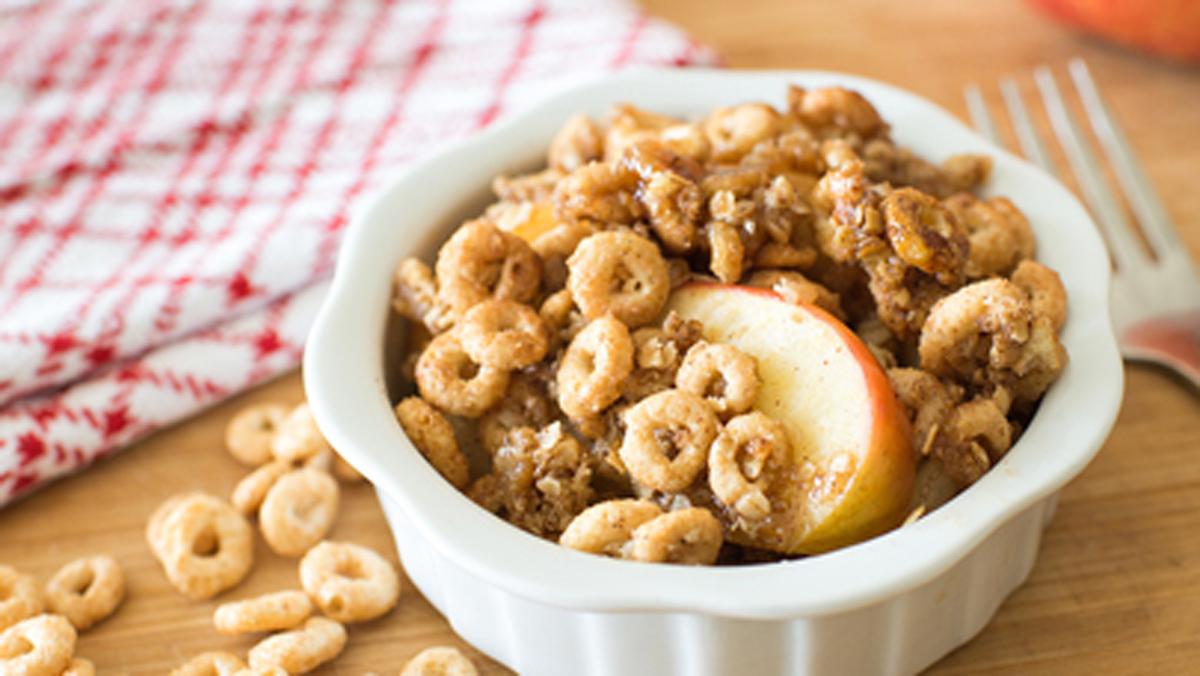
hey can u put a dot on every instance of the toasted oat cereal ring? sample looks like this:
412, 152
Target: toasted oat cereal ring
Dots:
80, 667
617, 272
298, 511
20, 597
159, 516
269, 612
249, 434
299, 651
37, 646
205, 546
450, 379
297, 437
667, 437
87, 590
212, 663
434, 437
504, 334
744, 459
480, 261
440, 661
349, 582
689, 536
723, 375
249, 493
262, 670
594, 368
607, 527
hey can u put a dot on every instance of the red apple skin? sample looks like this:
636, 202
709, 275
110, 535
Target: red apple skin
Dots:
1167, 28
874, 498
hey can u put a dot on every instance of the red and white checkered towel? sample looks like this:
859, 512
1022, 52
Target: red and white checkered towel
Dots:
175, 176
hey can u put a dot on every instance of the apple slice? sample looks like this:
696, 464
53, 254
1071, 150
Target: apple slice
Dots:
850, 435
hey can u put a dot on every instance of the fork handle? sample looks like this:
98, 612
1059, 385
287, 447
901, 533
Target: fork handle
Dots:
1172, 341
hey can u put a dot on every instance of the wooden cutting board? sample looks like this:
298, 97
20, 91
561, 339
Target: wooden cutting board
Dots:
1117, 586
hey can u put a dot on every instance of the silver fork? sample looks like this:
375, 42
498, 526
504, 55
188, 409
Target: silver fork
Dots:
1156, 293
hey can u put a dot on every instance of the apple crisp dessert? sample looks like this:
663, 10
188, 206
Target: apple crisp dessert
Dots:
765, 333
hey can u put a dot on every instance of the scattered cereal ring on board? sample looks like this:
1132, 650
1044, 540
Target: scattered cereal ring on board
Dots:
250, 492
269, 612
440, 661
37, 646
80, 667
212, 663
20, 596
249, 434
204, 544
87, 590
349, 582
298, 511
299, 651
297, 437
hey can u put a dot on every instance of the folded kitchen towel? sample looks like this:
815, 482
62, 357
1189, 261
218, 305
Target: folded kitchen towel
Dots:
175, 176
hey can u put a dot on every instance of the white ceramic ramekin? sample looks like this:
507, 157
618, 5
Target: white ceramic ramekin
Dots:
892, 605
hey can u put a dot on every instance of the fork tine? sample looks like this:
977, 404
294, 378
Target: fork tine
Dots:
1027, 135
1125, 249
980, 118
1156, 225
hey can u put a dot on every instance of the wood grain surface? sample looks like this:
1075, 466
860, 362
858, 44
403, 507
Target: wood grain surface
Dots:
1116, 589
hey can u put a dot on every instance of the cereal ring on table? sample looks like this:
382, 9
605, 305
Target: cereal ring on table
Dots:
204, 544
212, 663
440, 661
87, 590
349, 582
159, 516
744, 460
37, 646
299, 651
20, 596
480, 262
434, 437
448, 378
249, 434
689, 536
607, 527
298, 511
723, 375
667, 437
262, 670
249, 493
504, 334
269, 612
80, 667
298, 438
619, 273
594, 367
